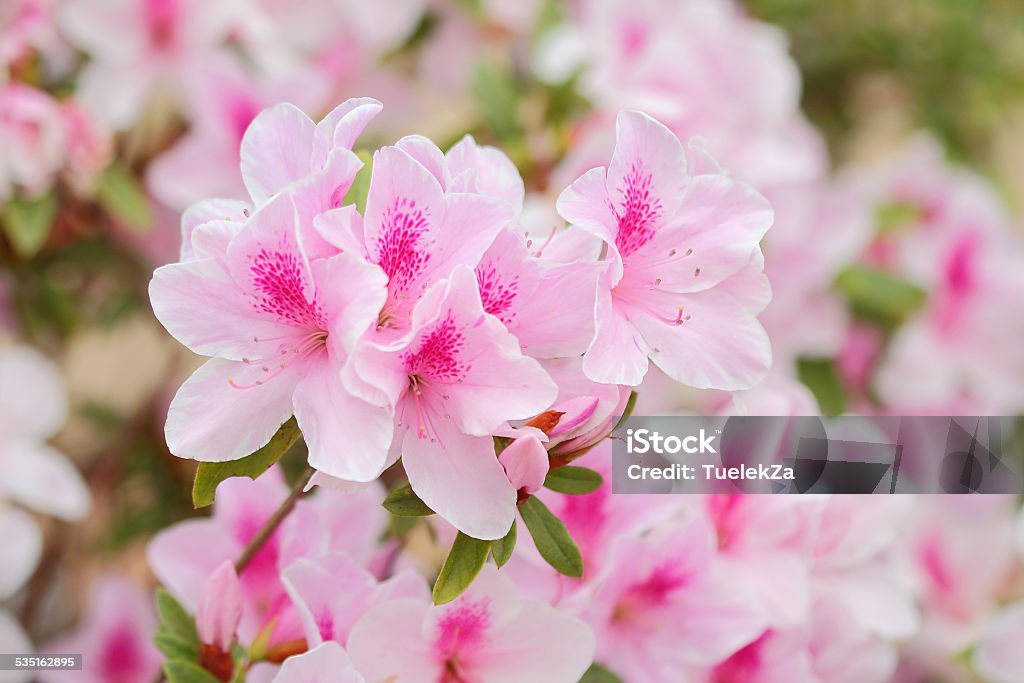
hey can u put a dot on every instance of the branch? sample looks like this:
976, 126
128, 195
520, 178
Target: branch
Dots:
274, 521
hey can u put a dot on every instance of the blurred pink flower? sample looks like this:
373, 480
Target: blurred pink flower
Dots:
326, 663
684, 283
225, 99
25, 25
999, 657
185, 555
954, 241
142, 50
114, 637
220, 608
33, 140
659, 607
90, 148
487, 634
32, 472
333, 591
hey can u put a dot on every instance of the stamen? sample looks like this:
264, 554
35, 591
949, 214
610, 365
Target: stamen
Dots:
547, 242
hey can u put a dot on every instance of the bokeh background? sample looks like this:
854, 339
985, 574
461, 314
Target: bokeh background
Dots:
887, 134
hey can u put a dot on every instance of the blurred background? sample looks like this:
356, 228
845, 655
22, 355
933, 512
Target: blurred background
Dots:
886, 134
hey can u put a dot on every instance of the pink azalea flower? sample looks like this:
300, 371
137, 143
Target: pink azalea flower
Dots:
279, 328
828, 648
32, 140
956, 243
487, 634
220, 608
588, 408
225, 100
999, 657
684, 283
703, 68
32, 473
659, 607
415, 231
456, 380
90, 148
141, 49
326, 663
526, 463
332, 592
26, 25
115, 637
184, 556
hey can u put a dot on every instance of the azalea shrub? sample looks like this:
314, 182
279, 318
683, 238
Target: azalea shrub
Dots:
316, 319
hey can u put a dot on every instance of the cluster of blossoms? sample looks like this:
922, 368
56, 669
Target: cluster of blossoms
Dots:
428, 314
427, 325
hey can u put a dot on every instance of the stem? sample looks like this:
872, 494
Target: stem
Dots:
274, 521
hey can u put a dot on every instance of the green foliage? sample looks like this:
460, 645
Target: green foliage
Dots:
497, 94
573, 480
210, 474
27, 223
551, 538
404, 502
175, 622
121, 194
464, 562
598, 674
182, 671
821, 377
360, 188
879, 297
501, 550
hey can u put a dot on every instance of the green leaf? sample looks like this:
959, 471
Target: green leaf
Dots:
627, 410
210, 474
598, 674
464, 562
822, 378
497, 95
27, 223
174, 620
551, 538
573, 480
896, 217
174, 647
361, 184
184, 671
120, 193
501, 550
404, 502
878, 296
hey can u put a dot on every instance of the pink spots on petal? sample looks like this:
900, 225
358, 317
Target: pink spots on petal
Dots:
497, 296
639, 211
436, 357
461, 627
338, 196
325, 623
959, 282
401, 252
276, 275
161, 20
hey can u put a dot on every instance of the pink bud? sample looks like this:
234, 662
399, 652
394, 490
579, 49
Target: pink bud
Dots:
526, 463
220, 608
